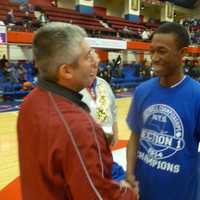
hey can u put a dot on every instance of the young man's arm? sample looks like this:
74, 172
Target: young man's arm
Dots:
115, 133
132, 157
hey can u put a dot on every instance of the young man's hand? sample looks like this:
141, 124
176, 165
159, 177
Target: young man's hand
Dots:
114, 140
131, 181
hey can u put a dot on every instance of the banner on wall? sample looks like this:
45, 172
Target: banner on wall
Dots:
3, 35
3, 41
170, 10
135, 5
107, 43
85, 2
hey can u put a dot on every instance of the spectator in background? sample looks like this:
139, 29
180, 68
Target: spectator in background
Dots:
3, 61
145, 35
4, 67
195, 70
137, 68
27, 8
127, 32
10, 18
100, 99
118, 60
54, 3
126, 29
14, 73
145, 71
42, 19
118, 35
27, 21
102, 103
105, 73
27, 86
2, 23
21, 73
117, 67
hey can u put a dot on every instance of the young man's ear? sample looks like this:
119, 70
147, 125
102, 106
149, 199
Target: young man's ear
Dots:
65, 72
182, 52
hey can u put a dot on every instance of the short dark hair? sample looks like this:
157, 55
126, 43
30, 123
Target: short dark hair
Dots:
182, 35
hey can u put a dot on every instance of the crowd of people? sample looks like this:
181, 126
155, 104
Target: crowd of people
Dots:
16, 77
26, 21
122, 33
34, 17
30, 11
16, 72
193, 27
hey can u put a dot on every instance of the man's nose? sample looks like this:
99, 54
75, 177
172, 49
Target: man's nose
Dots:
95, 59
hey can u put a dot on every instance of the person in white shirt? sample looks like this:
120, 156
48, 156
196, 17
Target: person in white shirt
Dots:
100, 99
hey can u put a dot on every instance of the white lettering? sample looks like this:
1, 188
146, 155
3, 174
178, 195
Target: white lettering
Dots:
157, 139
161, 165
160, 118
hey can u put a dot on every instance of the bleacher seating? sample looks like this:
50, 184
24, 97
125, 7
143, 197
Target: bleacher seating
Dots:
11, 90
5, 7
127, 80
88, 21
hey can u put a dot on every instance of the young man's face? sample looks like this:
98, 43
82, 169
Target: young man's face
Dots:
166, 57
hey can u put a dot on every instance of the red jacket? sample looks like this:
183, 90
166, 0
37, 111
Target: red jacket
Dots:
63, 153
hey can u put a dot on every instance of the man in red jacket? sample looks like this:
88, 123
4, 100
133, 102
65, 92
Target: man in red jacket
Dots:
63, 153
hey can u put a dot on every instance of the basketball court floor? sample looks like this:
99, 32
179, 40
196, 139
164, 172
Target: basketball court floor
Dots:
9, 168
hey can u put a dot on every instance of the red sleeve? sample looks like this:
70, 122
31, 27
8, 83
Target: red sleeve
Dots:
87, 162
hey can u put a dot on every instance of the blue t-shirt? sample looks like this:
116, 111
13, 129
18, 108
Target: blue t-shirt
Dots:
168, 122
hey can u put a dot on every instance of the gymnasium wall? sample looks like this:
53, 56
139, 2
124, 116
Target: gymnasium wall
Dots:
149, 11
129, 56
196, 11
114, 55
20, 52
114, 8
67, 4
17, 52
37, 2
41, 2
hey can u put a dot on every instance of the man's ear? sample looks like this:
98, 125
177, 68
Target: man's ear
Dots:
65, 72
182, 52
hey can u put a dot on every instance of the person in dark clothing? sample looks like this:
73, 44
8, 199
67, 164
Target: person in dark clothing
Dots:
27, 21
3, 61
10, 18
